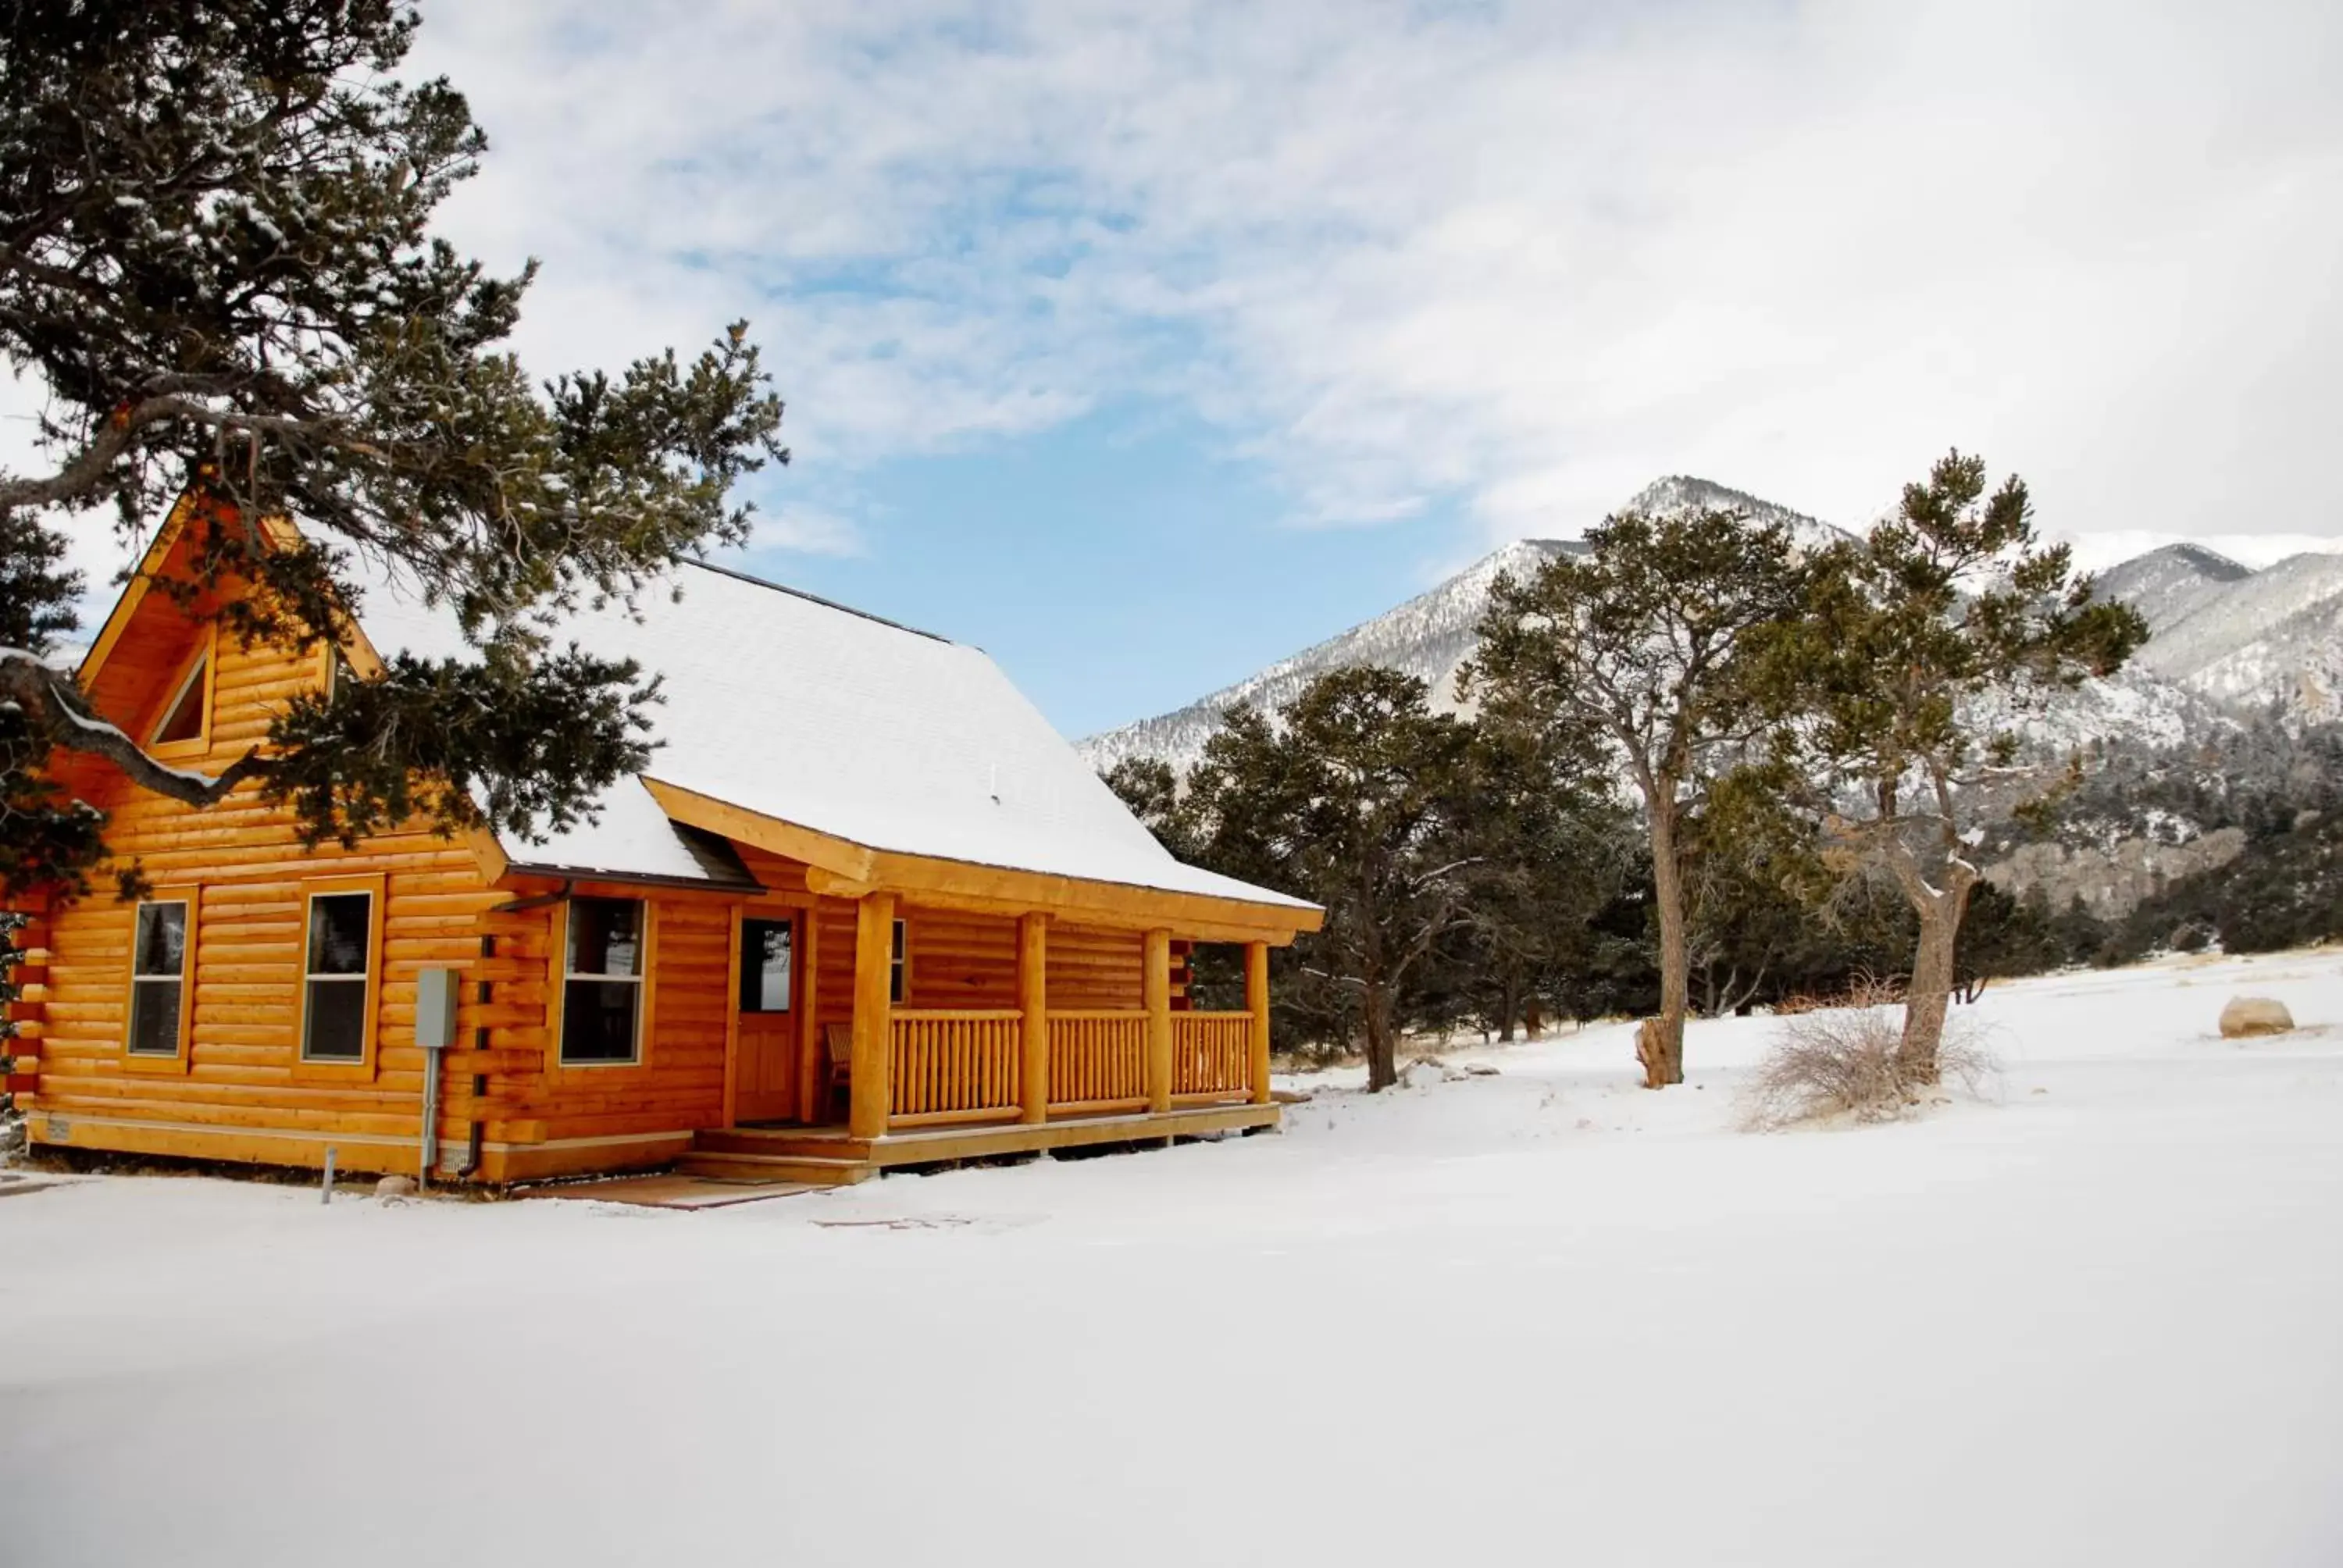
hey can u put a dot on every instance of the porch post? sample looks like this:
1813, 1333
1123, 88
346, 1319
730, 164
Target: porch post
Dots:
1155, 987
1033, 1000
1257, 1004
813, 1083
874, 953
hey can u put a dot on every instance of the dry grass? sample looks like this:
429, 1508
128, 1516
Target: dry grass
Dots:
1865, 990
1843, 1063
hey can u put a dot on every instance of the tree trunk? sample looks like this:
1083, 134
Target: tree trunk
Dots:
1930, 992
1533, 1018
1509, 1002
1383, 1048
1665, 1066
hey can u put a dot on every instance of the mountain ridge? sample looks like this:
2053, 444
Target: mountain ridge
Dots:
2226, 637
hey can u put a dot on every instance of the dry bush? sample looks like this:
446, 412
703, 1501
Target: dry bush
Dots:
1843, 1062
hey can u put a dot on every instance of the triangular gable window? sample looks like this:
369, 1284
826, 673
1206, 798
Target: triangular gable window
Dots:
185, 718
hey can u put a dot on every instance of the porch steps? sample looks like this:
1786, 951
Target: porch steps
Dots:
814, 1170
792, 1143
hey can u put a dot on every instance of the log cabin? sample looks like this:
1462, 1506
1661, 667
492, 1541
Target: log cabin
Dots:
864, 909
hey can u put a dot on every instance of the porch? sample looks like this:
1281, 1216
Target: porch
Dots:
833, 1156
927, 1084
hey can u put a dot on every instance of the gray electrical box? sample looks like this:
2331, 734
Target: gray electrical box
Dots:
435, 1008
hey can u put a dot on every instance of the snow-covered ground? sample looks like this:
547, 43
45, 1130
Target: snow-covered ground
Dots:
1536, 1317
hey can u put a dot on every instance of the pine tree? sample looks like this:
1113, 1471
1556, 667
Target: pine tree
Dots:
1353, 797
1921, 643
217, 260
1754, 889
1552, 850
1642, 645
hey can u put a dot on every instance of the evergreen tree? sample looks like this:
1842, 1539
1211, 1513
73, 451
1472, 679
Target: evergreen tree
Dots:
1921, 645
45, 835
1355, 798
1151, 791
1552, 852
11, 923
216, 261
1643, 644
1753, 889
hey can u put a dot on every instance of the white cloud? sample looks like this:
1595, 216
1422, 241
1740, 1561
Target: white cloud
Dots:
1530, 257
804, 530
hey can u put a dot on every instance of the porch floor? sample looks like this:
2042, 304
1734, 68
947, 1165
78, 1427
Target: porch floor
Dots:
832, 1155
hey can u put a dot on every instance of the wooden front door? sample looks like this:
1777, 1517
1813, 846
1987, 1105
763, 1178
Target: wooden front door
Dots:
767, 1087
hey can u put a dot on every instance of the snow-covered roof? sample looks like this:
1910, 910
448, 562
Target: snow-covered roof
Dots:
826, 719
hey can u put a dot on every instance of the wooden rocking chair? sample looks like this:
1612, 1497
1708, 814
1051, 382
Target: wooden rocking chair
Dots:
838, 1070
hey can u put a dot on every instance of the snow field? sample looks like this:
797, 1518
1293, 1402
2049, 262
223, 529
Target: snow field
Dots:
1538, 1316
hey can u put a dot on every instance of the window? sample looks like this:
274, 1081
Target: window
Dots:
766, 957
899, 967
602, 983
338, 673
183, 719
338, 977
158, 978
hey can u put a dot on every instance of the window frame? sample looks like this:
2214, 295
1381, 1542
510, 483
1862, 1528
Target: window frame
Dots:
202, 665
898, 963
788, 922
180, 1061
559, 1065
307, 1068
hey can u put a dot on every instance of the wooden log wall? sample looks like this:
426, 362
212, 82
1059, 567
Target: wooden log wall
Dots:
27, 1016
966, 961
239, 1091
1092, 967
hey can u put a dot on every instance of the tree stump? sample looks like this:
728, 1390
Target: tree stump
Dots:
1650, 1050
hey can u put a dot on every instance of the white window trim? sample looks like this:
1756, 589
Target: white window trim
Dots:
639, 980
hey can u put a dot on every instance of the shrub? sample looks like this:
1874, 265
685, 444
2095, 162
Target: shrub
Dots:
1845, 1061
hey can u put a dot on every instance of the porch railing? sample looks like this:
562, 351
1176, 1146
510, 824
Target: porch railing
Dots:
1097, 1060
953, 1066
1212, 1053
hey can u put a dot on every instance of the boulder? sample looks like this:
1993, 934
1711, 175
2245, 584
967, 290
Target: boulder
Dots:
2251, 1015
395, 1187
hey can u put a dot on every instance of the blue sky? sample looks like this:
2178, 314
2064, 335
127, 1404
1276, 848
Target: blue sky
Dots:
1143, 341
1117, 565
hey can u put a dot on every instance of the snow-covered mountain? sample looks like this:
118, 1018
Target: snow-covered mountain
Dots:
2224, 638
2165, 585
1681, 493
2274, 635
1428, 637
